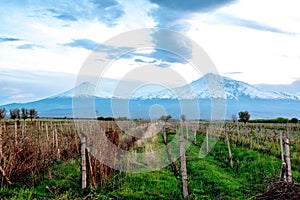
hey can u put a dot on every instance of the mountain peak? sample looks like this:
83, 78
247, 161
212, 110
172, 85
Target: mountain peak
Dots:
209, 86
84, 89
216, 86
86, 84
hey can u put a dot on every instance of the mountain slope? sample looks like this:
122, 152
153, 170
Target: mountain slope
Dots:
109, 88
87, 89
215, 86
239, 95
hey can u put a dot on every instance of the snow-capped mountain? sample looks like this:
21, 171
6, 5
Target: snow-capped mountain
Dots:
209, 86
109, 88
239, 95
85, 89
215, 86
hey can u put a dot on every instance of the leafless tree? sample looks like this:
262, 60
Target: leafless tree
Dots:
2, 116
2, 113
33, 113
14, 113
25, 113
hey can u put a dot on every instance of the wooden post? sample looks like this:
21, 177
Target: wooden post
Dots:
170, 157
283, 165
187, 131
165, 135
287, 159
47, 132
183, 167
56, 143
83, 162
42, 127
206, 141
22, 129
53, 135
257, 136
1, 153
16, 133
39, 125
229, 150
195, 136
5, 126
251, 139
238, 133
92, 179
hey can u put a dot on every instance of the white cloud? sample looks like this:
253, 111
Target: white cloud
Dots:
277, 13
121, 68
262, 56
136, 15
50, 33
20, 96
257, 53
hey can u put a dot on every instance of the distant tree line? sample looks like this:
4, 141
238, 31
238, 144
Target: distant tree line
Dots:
279, 120
101, 118
106, 118
16, 113
244, 116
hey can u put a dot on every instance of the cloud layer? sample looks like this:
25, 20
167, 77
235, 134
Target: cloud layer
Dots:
258, 39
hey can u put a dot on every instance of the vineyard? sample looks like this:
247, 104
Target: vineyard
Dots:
88, 159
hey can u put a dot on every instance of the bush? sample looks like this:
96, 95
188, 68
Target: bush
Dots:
277, 120
244, 116
106, 118
282, 120
294, 120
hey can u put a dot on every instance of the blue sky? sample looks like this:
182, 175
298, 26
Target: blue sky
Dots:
43, 44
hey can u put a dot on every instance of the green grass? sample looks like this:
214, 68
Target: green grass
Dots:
62, 180
212, 177
152, 185
209, 178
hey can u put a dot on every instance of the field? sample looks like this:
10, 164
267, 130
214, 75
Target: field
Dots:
91, 159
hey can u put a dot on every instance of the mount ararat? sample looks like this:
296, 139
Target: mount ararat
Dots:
152, 101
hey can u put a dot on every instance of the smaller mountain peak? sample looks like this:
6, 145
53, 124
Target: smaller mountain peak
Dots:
85, 84
84, 89
212, 75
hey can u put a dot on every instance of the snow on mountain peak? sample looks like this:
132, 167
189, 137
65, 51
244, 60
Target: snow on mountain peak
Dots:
209, 86
216, 86
85, 89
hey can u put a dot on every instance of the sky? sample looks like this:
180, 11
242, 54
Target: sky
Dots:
43, 44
